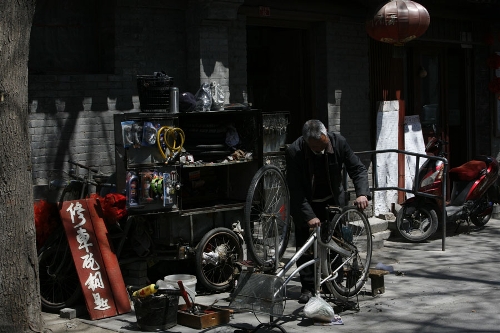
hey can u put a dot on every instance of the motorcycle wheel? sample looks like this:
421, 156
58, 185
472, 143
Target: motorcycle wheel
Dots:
480, 220
416, 224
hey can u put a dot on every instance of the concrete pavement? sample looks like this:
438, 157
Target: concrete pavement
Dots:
430, 290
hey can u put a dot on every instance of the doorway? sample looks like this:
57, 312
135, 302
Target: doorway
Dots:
441, 96
279, 73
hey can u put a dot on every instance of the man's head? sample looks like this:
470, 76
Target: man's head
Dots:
316, 135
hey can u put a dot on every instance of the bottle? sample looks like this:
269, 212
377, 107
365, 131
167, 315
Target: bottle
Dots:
146, 291
174, 100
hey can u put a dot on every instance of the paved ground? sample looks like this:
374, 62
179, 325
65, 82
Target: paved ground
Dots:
430, 290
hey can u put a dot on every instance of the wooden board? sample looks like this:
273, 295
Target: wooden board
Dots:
101, 297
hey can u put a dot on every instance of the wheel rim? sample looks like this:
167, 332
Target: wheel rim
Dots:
59, 283
267, 206
217, 254
416, 224
351, 230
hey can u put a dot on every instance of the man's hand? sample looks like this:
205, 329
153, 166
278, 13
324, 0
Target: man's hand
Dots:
361, 202
313, 223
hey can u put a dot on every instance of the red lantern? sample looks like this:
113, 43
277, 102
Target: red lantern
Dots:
494, 85
493, 61
398, 22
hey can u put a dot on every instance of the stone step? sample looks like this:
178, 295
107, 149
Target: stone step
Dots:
378, 225
378, 238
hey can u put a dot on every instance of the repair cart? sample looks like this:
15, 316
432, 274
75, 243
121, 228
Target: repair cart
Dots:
186, 178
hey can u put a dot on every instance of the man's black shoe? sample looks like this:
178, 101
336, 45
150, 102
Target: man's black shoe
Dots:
304, 297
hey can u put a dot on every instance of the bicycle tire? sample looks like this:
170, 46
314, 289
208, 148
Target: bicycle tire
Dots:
216, 257
351, 231
268, 201
72, 191
59, 283
415, 223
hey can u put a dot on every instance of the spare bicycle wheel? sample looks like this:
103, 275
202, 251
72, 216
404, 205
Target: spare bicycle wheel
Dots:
216, 256
348, 274
267, 216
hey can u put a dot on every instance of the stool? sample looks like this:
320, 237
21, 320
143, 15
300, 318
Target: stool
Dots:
377, 280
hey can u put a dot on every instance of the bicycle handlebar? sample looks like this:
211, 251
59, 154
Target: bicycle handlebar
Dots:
83, 166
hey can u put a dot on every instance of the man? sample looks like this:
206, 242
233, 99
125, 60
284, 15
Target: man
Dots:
314, 165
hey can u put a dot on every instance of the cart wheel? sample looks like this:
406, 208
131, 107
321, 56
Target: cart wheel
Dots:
216, 256
267, 216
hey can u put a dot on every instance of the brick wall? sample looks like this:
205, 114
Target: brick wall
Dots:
72, 115
348, 71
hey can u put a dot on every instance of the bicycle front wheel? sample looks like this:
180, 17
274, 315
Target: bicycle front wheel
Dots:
267, 216
347, 274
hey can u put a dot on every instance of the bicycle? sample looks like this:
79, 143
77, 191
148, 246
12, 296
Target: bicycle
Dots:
79, 186
342, 255
267, 230
59, 283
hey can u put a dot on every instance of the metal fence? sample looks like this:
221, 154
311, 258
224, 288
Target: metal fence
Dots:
414, 190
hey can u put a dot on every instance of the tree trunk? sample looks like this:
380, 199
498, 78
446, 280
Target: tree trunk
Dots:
20, 309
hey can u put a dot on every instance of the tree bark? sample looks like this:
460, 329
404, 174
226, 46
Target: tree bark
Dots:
20, 309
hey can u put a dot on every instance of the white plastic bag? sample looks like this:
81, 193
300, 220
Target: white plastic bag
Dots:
217, 96
203, 98
318, 308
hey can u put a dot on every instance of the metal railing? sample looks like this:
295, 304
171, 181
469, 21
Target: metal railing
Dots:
415, 186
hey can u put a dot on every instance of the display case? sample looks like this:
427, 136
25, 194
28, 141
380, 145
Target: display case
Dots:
221, 151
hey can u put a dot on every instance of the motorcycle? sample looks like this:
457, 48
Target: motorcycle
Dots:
474, 191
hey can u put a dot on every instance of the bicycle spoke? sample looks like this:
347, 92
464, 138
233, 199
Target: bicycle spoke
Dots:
267, 207
348, 274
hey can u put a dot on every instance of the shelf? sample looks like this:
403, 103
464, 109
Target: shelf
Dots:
213, 209
214, 164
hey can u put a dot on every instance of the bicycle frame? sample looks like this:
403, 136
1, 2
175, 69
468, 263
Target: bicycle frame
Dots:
314, 241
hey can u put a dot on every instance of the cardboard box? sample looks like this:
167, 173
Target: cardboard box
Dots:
202, 319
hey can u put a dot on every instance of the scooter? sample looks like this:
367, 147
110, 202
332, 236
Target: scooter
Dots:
474, 191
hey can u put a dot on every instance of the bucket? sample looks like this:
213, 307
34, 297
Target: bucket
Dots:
189, 282
158, 311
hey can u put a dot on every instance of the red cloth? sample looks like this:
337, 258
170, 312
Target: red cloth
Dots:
46, 220
114, 207
468, 171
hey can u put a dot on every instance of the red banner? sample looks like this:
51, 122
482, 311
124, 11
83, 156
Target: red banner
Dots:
97, 266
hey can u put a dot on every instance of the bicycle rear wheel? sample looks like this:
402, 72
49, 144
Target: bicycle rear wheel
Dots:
72, 191
348, 274
267, 216
59, 283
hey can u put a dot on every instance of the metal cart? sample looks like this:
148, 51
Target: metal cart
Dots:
186, 177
